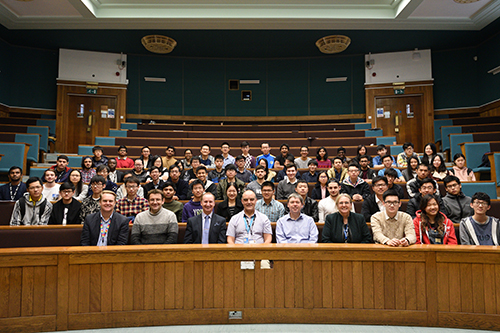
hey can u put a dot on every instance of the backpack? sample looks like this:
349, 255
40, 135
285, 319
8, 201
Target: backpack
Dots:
22, 207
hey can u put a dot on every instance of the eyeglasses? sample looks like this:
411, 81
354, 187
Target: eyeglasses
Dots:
480, 203
96, 185
379, 185
392, 203
428, 188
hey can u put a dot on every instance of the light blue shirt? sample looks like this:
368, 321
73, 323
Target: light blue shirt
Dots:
302, 230
274, 211
228, 160
381, 172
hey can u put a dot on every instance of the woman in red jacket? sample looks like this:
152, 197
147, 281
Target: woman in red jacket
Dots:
431, 225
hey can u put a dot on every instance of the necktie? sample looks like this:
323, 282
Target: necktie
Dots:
206, 228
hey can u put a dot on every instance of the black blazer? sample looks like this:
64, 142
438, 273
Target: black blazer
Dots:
333, 231
194, 230
222, 209
117, 234
369, 207
149, 186
73, 216
316, 193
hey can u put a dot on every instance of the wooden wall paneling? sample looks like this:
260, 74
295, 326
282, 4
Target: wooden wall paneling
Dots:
138, 286
229, 284
308, 285
189, 283
117, 286
208, 284
490, 289
478, 288
454, 283
336, 282
289, 281
444, 287
410, 285
84, 289
159, 285
63, 291
4, 291
421, 287
128, 286
389, 287
358, 275
279, 284
497, 284
15, 291
347, 285
170, 285
106, 287
327, 283
39, 275
318, 284
27, 291
466, 296
269, 290
249, 294
259, 285
239, 286
198, 285
368, 285
179, 285
431, 289
219, 279
299, 284
400, 285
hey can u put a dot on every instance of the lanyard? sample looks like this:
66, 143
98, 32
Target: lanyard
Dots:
12, 196
346, 232
249, 226
104, 227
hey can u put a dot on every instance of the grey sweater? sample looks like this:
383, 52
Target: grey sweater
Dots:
32, 213
159, 228
458, 207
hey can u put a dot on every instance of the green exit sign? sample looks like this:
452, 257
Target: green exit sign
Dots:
399, 91
91, 91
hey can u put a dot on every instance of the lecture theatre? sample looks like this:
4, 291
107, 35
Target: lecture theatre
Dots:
299, 86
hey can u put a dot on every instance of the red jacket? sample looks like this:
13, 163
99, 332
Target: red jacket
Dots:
449, 231
127, 163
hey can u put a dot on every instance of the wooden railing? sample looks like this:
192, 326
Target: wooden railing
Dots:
46, 289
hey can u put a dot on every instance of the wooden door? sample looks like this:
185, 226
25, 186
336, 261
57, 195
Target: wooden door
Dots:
402, 117
88, 117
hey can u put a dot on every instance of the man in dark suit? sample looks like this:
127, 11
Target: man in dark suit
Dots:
105, 227
206, 227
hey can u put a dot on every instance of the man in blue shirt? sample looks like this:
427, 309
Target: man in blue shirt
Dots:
265, 148
387, 163
296, 227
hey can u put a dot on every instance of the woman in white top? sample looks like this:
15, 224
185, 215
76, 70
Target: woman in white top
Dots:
80, 188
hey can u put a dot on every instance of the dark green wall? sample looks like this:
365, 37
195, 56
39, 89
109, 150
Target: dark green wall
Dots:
489, 84
5, 73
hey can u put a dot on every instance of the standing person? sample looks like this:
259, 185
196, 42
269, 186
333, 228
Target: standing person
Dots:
105, 227
328, 205
337, 170
32, 208
411, 169
296, 227
309, 206
302, 161
345, 226
430, 150
205, 158
169, 159
186, 161
256, 185
132, 204
193, 207
207, 227
91, 204
170, 202
155, 225
459, 169
456, 202
249, 226
480, 229
241, 173
146, 157
15, 188
392, 227
228, 159
375, 202
312, 175
438, 168
98, 158
87, 171
231, 205
408, 151
250, 161
320, 191
66, 210
353, 185
123, 162
322, 157
273, 209
81, 189
50, 187
431, 225
265, 148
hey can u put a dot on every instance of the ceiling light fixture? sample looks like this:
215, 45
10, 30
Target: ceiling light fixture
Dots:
336, 79
155, 79
494, 71
465, 1
158, 43
333, 44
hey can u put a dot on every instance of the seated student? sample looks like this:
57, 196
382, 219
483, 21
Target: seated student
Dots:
460, 170
337, 170
87, 170
322, 158
230, 178
309, 206
391, 176
15, 188
480, 229
155, 225
392, 227
153, 181
81, 189
103, 170
413, 184
296, 226
145, 157
356, 187
207, 227
320, 191
105, 227
341, 153
408, 151
285, 153
428, 186
430, 150
273, 209
328, 205
256, 185
232, 204
122, 190
169, 159
132, 204
431, 225
303, 161
250, 161
241, 173
282, 173
411, 169
438, 168
287, 186
66, 210
219, 173
193, 207
201, 174
228, 159
456, 202
377, 160
190, 174
374, 203
365, 172
171, 203
345, 226
98, 158
205, 158
362, 151
50, 187
123, 162
32, 208
266, 149
387, 163
312, 175
270, 174
114, 175
181, 185
139, 172
91, 204
61, 169
156, 161
186, 161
